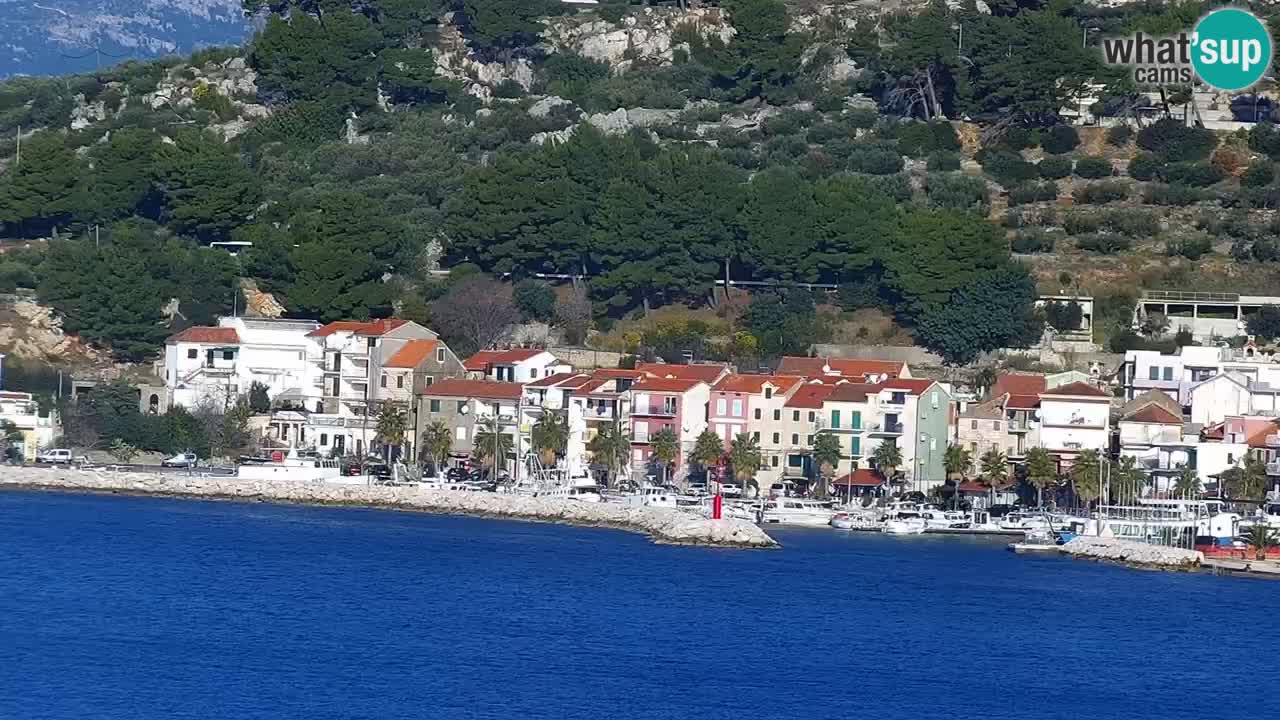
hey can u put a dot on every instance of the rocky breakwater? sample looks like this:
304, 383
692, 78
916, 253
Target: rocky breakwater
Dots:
1133, 553
662, 525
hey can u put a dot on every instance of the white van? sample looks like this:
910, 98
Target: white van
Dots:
55, 457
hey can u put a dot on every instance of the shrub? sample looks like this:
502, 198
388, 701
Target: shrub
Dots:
1263, 198
1080, 223
823, 133
861, 118
1175, 142
1093, 167
1008, 168
1055, 167
1119, 135
1032, 217
1258, 174
875, 162
897, 186
957, 191
1172, 195
1191, 248
943, 161
508, 89
534, 299
1191, 174
1101, 192
1035, 240
1104, 243
1134, 223
612, 12
1060, 139
918, 139
1017, 138
1144, 166
1030, 192
1264, 138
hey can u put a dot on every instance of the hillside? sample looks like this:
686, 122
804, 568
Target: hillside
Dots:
649, 151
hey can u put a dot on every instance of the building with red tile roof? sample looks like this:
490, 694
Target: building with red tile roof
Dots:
870, 370
520, 365
677, 404
708, 373
202, 335
367, 328
810, 395
412, 354
753, 404
468, 388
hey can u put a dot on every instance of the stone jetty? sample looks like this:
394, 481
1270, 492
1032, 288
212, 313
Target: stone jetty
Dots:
1130, 552
660, 524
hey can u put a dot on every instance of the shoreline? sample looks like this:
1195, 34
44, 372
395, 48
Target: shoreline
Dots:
661, 526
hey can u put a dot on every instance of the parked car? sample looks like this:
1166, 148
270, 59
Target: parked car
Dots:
181, 460
57, 457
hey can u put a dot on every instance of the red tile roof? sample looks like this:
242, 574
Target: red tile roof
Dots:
412, 354
755, 383
485, 358
666, 384
1153, 414
849, 367
372, 327
851, 392
706, 373
1023, 402
861, 477
972, 487
458, 387
810, 396
915, 387
1018, 384
218, 335
1259, 438
1078, 389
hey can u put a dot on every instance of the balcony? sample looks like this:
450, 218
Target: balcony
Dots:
1019, 428
655, 411
885, 429
1273, 467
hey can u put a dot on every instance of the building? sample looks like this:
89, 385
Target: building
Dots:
467, 406
1160, 442
1008, 422
666, 403
36, 430
800, 424
847, 412
519, 365
1209, 316
753, 404
1073, 418
709, 373
1175, 374
849, 368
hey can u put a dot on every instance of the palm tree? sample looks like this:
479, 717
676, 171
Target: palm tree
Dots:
437, 441
984, 378
665, 448
1262, 538
391, 428
1245, 482
550, 437
744, 456
491, 445
1086, 476
9, 436
995, 469
1128, 480
611, 447
1042, 472
1187, 483
887, 457
826, 453
957, 461
707, 449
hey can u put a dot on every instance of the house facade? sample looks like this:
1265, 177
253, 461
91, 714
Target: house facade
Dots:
519, 365
37, 430
753, 404
467, 407
1074, 418
666, 403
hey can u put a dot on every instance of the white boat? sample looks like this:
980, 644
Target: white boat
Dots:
293, 468
1024, 521
905, 524
650, 496
855, 521
581, 489
936, 519
797, 511
1036, 541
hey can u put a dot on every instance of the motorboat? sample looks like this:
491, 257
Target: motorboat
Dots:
581, 489
650, 496
295, 468
797, 511
905, 524
855, 521
936, 519
1037, 540
1024, 521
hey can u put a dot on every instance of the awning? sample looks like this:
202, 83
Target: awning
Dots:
859, 478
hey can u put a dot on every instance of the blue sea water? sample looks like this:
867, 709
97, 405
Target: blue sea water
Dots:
145, 608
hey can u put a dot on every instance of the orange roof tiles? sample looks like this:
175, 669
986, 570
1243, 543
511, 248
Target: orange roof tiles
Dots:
666, 384
372, 327
1018, 384
850, 367
458, 387
1023, 402
851, 392
412, 354
862, 477
218, 335
706, 373
1153, 414
755, 383
485, 358
810, 396
1078, 389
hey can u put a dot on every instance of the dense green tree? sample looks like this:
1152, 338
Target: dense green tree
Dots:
504, 24
1042, 471
409, 76
996, 310
852, 221
779, 218
44, 190
1265, 323
207, 190
784, 323
937, 253
301, 57
1029, 64
122, 174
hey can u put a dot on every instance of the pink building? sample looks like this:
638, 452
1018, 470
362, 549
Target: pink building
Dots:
753, 404
666, 403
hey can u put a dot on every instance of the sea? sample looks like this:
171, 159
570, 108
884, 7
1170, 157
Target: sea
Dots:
150, 609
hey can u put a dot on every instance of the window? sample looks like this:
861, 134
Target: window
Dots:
795, 439
973, 424
228, 354
737, 408
1154, 372
462, 406
855, 447
795, 461
400, 382
995, 425
898, 398
835, 419
1168, 373
324, 440
756, 436
757, 413
795, 416
857, 420
460, 433
669, 404
768, 393
773, 461
439, 355
428, 380
777, 438
284, 432
722, 406
435, 406
191, 354
934, 399
777, 414
809, 440
382, 381
812, 416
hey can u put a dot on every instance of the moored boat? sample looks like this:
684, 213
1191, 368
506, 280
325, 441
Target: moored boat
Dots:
797, 511
905, 524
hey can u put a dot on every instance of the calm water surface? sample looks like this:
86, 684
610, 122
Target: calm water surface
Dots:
118, 607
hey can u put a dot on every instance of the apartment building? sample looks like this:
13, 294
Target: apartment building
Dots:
37, 430
1158, 440
519, 365
1008, 422
1175, 374
667, 403
853, 369
467, 406
216, 363
753, 404
800, 424
1073, 418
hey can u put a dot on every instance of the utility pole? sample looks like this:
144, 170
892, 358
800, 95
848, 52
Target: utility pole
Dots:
18, 160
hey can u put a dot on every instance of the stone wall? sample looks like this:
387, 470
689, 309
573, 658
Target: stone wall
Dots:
1130, 552
662, 525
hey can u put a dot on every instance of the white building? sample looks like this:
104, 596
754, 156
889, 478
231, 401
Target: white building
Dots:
38, 431
1176, 373
1074, 418
519, 365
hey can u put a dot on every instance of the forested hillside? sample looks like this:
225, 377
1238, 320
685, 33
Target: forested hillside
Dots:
650, 150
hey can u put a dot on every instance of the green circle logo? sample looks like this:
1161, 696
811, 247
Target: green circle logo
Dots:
1231, 49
